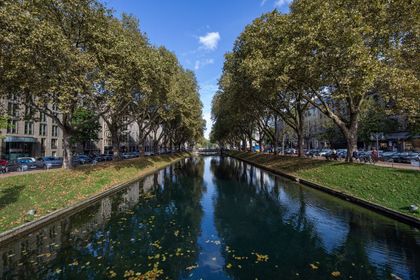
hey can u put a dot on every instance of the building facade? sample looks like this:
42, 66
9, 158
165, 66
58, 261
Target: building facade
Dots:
34, 134
29, 133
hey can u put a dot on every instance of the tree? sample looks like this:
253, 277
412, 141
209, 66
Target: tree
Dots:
88, 127
260, 70
349, 51
47, 59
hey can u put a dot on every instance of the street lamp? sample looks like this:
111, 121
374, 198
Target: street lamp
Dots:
377, 136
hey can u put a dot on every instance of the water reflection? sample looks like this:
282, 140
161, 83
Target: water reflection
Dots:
150, 227
303, 232
216, 218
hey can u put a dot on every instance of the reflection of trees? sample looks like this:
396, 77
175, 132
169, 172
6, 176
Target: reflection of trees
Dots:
159, 228
252, 218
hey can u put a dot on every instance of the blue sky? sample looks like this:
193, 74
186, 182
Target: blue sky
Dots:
199, 32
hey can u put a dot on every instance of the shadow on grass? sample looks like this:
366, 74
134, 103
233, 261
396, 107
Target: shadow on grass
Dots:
294, 164
137, 163
10, 195
285, 163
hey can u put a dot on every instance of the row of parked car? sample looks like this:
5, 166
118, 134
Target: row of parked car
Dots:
400, 157
31, 163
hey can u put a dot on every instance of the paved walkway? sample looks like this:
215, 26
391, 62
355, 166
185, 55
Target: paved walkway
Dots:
384, 164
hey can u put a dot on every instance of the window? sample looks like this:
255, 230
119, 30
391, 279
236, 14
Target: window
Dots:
42, 129
13, 109
12, 126
42, 144
28, 112
29, 128
54, 154
53, 143
42, 117
54, 131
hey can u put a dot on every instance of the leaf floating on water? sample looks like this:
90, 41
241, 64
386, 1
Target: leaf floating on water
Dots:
261, 257
192, 267
314, 267
393, 276
176, 233
112, 274
336, 273
229, 265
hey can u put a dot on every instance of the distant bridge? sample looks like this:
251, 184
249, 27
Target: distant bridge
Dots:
208, 152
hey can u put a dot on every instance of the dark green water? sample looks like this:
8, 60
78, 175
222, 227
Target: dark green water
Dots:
217, 218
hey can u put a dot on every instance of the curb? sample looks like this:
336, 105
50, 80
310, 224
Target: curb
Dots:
27, 228
412, 221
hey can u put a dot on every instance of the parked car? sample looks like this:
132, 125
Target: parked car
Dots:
135, 154
106, 157
97, 158
130, 155
341, 153
324, 152
405, 157
22, 164
49, 162
290, 151
4, 166
312, 153
81, 159
386, 156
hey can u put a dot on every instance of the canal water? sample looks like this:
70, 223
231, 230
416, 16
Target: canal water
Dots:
217, 218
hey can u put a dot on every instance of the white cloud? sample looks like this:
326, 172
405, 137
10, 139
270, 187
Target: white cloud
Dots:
210, 40
201, 63
263, 2
280, 3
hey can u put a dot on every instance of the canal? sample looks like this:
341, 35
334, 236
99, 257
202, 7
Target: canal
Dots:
217, 218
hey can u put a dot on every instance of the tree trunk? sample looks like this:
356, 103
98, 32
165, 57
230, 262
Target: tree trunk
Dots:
116, 146
351, 138
276, 136
300, 144
68, 155
283, 140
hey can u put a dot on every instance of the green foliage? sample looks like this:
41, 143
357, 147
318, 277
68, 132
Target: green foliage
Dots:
333, 55
87, 126
77, 56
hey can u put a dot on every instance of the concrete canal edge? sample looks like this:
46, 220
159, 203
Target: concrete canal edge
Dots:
27, 228
412, 221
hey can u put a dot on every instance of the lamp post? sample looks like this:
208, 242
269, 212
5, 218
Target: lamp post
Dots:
377, 136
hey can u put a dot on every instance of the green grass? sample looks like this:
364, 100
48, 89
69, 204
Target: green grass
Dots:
390, 187
55, 189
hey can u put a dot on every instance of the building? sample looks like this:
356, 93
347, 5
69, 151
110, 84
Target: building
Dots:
36, 135
29, 133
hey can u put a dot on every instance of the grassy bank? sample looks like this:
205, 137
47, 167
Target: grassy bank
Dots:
393, 188
55, 189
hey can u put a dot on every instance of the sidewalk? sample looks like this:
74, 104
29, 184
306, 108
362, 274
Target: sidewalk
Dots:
383, 164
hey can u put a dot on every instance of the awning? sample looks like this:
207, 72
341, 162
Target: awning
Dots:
16, 139
398, 136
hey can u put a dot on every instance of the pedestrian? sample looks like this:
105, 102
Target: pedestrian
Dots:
374, 155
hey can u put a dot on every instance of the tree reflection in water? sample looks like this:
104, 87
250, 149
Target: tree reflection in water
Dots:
304, 233
131, 232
